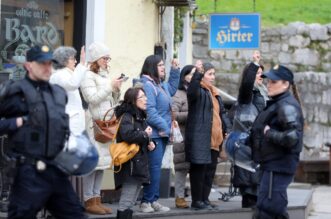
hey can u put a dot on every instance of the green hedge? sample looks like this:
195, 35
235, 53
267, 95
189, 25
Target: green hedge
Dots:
273, 12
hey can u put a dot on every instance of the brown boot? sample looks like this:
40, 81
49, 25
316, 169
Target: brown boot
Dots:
92, 207
181, 203
106, 209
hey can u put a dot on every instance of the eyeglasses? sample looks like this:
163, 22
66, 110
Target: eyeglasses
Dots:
142, 97
160, 65
106, 58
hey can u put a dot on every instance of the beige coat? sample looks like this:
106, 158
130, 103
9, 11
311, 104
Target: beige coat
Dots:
100, 97
180, 109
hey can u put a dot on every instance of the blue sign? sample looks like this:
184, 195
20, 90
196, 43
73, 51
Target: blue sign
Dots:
234, 31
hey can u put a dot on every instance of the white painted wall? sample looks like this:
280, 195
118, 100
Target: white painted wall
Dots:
131, 33
167, 36
95, 21
185, 47
130, 28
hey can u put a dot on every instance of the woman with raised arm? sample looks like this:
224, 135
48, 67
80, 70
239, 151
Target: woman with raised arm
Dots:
206, 126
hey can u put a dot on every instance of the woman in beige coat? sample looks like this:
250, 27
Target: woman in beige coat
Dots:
180, 110
101, 93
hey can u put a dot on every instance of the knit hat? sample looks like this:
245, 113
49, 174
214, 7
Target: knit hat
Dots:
98, 50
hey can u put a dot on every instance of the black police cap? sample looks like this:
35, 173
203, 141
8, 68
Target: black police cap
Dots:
279, 72
39, 54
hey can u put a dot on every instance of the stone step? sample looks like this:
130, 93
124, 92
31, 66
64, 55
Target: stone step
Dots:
223, 167
222, 179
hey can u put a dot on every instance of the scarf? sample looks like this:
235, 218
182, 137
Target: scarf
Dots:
263, 90
216, 130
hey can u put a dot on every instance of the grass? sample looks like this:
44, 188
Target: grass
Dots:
273, 12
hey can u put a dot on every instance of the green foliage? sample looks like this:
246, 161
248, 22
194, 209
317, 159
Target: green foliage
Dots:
273, 12
179, 24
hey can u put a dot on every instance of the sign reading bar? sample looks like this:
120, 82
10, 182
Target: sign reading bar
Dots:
234, 31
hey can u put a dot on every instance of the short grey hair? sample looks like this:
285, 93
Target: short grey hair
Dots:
61, 56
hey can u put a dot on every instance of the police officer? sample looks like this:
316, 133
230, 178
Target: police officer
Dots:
276, 141
38, 182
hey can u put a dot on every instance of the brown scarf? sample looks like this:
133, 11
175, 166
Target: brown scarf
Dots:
216, 130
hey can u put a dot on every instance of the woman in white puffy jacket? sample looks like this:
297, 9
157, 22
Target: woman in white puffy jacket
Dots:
101, 93
70, 77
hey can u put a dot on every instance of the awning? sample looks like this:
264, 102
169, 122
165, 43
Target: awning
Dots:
177, 3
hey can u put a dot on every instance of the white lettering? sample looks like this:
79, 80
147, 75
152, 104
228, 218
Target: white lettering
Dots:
228, 37
46, 34
23, 12
12, 29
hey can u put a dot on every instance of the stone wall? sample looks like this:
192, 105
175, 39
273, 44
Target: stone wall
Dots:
315, 93
300, 46
304, 48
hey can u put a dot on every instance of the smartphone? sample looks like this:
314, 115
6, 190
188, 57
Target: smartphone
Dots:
123, 77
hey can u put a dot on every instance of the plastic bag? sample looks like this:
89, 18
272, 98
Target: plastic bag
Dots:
168, 158
175, 135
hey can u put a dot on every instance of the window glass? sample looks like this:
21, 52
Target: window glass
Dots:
25, 24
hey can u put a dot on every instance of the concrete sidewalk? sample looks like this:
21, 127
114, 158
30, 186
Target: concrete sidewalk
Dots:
321, 206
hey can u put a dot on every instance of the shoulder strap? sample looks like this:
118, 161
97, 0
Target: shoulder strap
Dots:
155, 90
118, 126
29, 91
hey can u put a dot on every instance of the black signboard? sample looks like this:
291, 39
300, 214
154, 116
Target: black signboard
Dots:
25, 24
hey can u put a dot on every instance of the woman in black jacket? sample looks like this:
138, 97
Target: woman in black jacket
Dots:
251, 101
276, 140
133, 129
206, 126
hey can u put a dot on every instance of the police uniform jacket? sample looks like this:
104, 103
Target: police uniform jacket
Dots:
278, 150
132, 130
46, 128
199, 122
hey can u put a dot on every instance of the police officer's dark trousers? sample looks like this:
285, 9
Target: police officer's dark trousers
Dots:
272, 198
32, 190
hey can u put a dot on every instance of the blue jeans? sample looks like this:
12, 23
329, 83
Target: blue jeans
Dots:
152, 191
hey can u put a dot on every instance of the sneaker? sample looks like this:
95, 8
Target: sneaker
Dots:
146, 207
158, 207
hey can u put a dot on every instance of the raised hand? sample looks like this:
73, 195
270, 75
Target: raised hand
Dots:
82, 55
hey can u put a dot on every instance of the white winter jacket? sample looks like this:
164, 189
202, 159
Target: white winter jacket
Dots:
70, 81
100, 97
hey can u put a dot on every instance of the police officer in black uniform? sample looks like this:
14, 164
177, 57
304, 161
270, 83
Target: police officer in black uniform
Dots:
38, 182
276, 141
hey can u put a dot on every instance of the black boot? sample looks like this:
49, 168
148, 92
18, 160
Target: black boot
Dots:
248, 201
126, 214
198, 205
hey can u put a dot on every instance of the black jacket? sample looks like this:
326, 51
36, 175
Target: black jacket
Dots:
44, 132
245, 111
279, 149
132, 130
199, 122
250, 102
